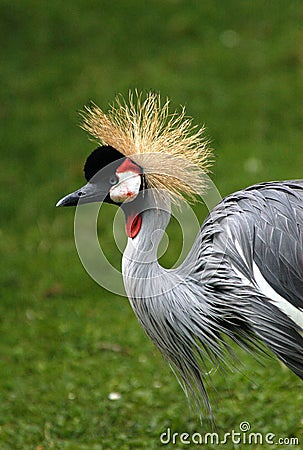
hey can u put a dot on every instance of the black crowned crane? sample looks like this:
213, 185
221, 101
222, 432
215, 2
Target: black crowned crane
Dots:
243, 278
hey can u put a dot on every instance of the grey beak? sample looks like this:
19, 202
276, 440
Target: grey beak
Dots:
87, 194
70, 199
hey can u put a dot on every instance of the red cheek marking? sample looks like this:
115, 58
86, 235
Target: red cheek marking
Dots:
129, 166
133, 224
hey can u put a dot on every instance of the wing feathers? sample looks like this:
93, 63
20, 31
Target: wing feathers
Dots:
262, 239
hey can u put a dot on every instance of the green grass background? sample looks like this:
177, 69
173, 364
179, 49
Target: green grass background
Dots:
66, 343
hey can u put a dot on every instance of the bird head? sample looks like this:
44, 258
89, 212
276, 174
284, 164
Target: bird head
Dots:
142, 146
111, 178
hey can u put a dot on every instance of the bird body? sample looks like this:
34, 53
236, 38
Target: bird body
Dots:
243, 277
228, 285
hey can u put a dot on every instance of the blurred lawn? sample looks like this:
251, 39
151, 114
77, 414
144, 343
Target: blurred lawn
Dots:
66, 344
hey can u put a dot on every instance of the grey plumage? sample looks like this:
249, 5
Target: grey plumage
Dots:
216, 292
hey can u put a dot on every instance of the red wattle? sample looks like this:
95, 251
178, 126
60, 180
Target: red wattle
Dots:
133, 224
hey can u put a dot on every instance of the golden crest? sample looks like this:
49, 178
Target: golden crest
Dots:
171, 150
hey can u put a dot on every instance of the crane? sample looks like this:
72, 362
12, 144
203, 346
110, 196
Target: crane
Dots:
241, 281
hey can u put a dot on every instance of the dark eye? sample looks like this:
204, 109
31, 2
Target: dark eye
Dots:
113, 180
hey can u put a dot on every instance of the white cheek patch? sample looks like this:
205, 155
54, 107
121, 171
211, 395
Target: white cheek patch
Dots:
128, 187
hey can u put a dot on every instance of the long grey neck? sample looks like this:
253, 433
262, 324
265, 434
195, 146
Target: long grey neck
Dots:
142, 274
